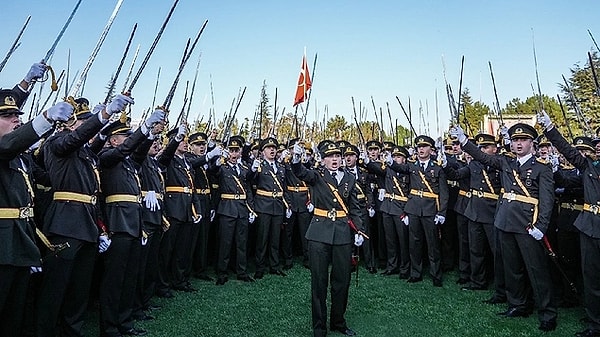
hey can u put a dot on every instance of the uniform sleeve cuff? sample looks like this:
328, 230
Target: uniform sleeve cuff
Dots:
41, 125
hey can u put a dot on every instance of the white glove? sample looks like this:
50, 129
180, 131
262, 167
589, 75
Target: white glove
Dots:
364, 157
544, 120
439, 219
144, 240
536, 233
439, 144
181, 132
457, 132
62, 111
118, 104
559, 190
404, 219
197, 219
358, 240
298, 152
156, 117
36, 72
555, 162
504, 132
212, 215
284, 155
310, 207
371, 212
217, 151
411, 151
255, 165
34, 269
151, 201
388, 158
381, 195
251, 218
441, 158
288, 213
225, 154
103, 243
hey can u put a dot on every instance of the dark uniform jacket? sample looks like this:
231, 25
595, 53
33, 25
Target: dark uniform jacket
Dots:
17, 243
73, 167
397, 188
588, 221
570, 199
418, 203
364, 194
179, 205
119, 175
269, 182
201, 183
233, 184
298, 190
331, 230
535, 176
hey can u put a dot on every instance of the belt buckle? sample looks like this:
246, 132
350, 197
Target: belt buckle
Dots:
469, 194
186, 189
25, 212
511, 196
478, 193
393, 196
332, 214
139, 199
93, 200
236, 196
420, 194
595, 209
275, 194
296, 189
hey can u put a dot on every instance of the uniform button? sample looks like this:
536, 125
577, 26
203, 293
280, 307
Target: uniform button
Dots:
514, 183
334, 200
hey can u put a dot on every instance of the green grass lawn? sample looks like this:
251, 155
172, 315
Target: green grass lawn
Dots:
379, 306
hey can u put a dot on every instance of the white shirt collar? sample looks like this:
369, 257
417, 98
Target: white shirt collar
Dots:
524, 159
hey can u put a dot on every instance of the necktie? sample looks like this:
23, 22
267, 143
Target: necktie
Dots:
334, 175
423, 167
274, 167
237, 169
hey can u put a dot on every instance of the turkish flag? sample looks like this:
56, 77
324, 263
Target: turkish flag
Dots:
304, 83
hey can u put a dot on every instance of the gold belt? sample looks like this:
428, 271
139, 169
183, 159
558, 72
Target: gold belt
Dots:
16, 213
269, 194
159, 196
233, 196
466, 194
571, 206
331, 214
360, 196
396, 197
123, 198
178, 189
424, 194
215, 186
480, 194
522, 198
72, 196
202, 191
42, 187
452, 183
297, 188
595, 209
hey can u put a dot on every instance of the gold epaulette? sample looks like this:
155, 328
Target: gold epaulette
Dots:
509, 154
543, 161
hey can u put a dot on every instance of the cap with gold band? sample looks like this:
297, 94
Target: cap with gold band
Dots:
584, 143
351, 150
424, 141
197, 138
484, 139
522, 130
268, 142
8, 103
329, 149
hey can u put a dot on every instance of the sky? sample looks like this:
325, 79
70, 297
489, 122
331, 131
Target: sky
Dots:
381, 49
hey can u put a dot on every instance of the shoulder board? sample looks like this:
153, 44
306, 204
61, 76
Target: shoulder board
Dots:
543, 161
509, 154
411, 161
259, 169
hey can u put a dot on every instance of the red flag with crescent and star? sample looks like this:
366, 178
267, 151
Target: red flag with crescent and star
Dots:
304, 83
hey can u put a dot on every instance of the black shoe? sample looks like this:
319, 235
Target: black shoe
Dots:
245, 278
152, 307
414, 279
143, 317
588, 333
134, 332
277, 272
514, 312
345, 331
403, 276
204, 277
372, 270
549, 325
258, 275
165, 294
288, 266
474, 287
462, 280
495, 300
222, 280
437, 282
389, 272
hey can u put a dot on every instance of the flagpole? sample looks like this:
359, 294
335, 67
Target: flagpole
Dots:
312, 76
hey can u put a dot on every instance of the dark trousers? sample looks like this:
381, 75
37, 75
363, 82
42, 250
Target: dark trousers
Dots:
200, 256
301, 220
396, 241
268, 231
148, 271
367, 246
590, 265
65, 288
464, 266
13, 290
449, 241
230, 228
422, 228
117, 289
525, 257
181, 263
339, 257
481, 238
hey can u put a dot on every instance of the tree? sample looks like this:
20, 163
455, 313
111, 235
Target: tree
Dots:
264, 116
472, 113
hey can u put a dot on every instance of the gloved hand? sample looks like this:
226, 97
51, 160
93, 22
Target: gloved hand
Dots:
441, 158
103, 243
358, 240
181, 132
388, 158
288, 213
458, 133
255, 165
144, 239
251, 218
555, 162
559, 190
217, 151
544, 120
284, 154
439, 219
225, 154
34, 269
118, 104
151, 201
404, 219
156, 117
381, 195
411, 151
212, 215
36, 72
504, 132
197, 219
62, 111
310, 207
536, 233
371, 212
364, 157
439, 144
298, 151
